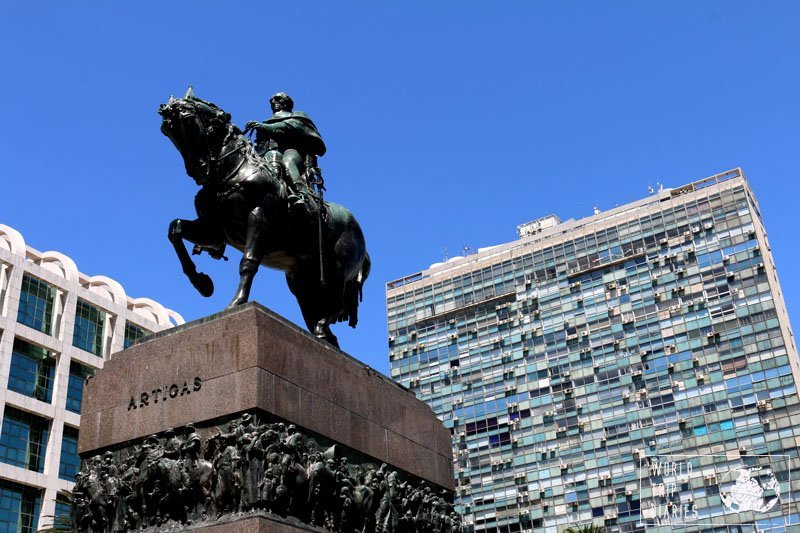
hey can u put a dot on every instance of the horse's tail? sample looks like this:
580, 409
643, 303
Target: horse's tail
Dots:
354, 293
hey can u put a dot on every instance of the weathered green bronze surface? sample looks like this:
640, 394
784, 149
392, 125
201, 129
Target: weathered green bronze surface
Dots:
267, 203
197, 475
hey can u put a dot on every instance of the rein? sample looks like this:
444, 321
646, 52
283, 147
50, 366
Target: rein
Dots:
217, 161
223, 186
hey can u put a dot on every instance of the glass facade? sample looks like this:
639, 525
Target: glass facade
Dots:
32, 371
19, 508
77, 376
36, 301
23, 440
70, 462
569, 366
52, 319
133, 333
62, 517
89, 326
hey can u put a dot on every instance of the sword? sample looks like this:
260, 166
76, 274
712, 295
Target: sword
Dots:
315, 181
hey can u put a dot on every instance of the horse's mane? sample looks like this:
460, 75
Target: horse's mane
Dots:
233, 130
212, 105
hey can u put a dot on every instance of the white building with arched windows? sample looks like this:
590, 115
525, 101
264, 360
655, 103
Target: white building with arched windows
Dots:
57, 326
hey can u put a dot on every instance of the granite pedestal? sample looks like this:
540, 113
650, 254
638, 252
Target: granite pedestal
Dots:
250, 360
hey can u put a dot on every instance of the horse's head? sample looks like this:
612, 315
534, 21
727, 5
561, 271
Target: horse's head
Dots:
197, 129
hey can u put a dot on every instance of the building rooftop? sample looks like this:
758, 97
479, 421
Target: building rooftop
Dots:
550, 227
64, 267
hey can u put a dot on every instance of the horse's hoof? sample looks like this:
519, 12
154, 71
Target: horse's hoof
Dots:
202, 282
236, 302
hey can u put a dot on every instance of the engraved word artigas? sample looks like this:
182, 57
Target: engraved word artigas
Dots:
162, 394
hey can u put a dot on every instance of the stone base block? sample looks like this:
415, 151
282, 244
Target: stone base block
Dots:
225, 395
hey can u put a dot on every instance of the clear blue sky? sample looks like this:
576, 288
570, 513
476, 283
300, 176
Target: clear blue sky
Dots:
447, 123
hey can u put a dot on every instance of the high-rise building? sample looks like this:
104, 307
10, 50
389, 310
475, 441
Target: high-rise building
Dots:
57, 327
634, 369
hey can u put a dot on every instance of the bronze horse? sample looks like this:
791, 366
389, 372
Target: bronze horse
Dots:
244, 203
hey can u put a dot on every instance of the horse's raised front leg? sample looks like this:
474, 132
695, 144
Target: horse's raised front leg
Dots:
252, 256
197, 232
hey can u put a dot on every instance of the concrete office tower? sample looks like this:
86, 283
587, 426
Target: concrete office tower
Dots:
57, 326
634, 369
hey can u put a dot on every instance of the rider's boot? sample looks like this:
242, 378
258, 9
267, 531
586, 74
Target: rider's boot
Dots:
302, 206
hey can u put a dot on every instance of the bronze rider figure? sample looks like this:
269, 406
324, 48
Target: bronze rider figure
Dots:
290, 143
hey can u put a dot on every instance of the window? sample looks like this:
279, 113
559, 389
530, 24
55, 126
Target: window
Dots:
23, 441
36, 304
133, 333
70, 462
19, 508
77, 375
62, 519
88, 333
32, 371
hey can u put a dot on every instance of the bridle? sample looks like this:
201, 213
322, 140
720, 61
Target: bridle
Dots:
213, 161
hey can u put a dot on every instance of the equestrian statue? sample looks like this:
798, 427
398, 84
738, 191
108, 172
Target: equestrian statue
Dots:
266, 201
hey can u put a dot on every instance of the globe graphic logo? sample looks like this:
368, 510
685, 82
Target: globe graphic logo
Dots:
750, 489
